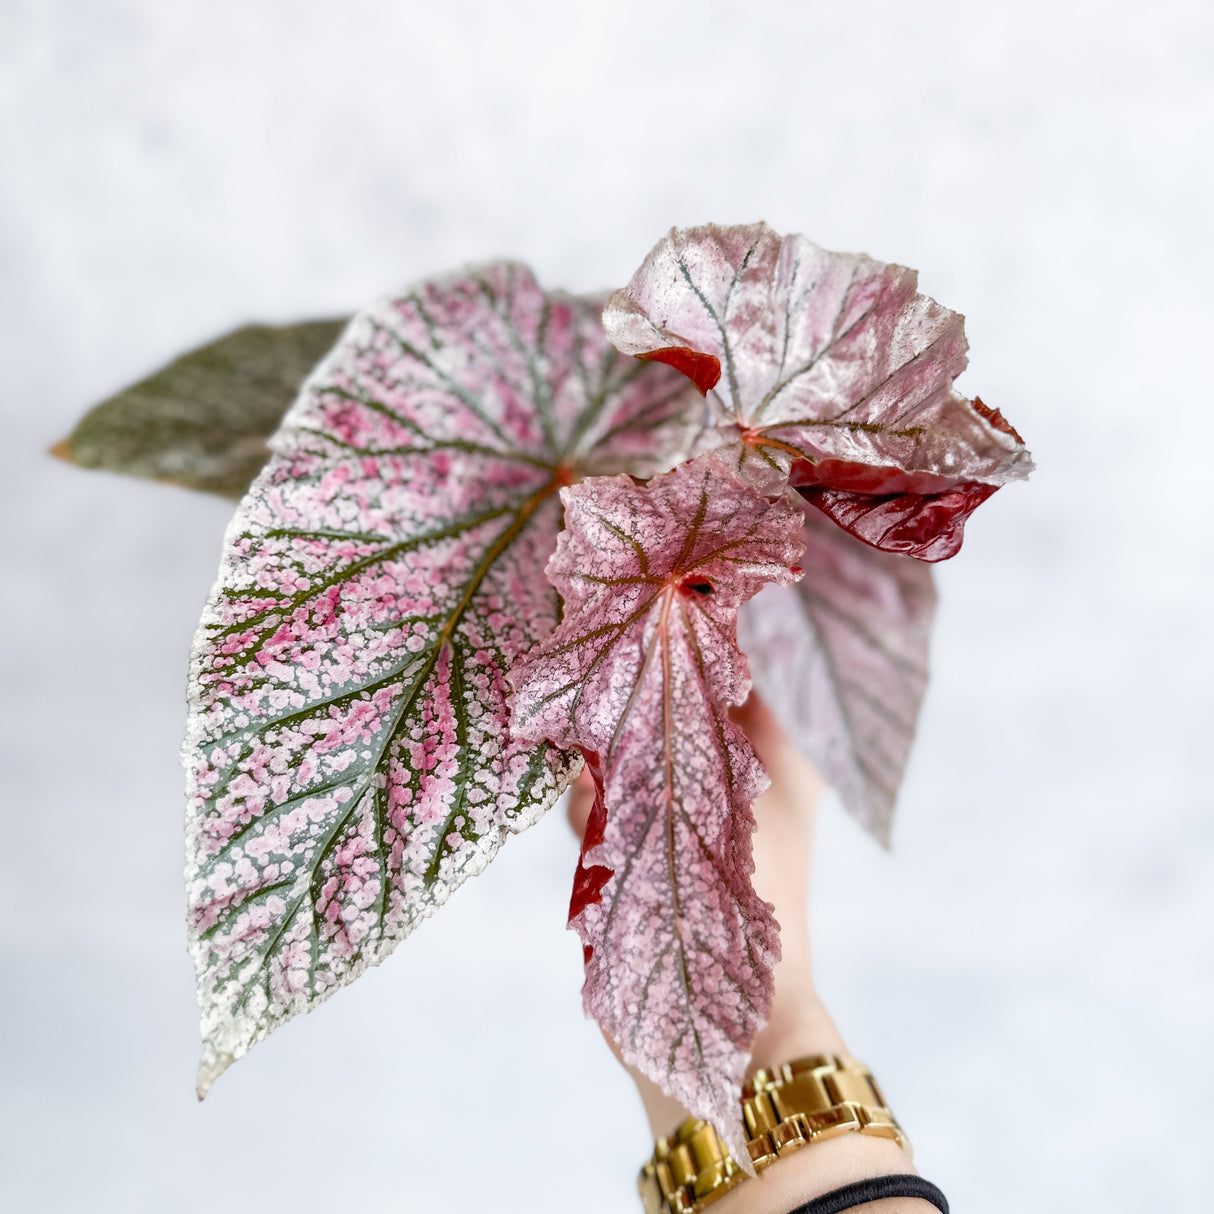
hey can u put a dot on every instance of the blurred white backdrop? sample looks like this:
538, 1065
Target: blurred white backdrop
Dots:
1031, 971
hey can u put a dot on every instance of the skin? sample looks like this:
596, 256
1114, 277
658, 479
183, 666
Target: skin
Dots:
799, 1022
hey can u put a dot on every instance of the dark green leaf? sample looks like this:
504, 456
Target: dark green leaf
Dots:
203, 420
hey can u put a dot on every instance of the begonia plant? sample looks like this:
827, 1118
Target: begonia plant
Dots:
503, 533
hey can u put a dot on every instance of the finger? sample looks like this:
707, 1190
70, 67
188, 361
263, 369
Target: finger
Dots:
795, 783
581, 802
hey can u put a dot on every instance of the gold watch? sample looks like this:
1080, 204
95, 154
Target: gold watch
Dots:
783, 1110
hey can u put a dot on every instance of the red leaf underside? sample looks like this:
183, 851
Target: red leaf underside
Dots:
914, 514
704, 370
928, 527
995, 418
589, 879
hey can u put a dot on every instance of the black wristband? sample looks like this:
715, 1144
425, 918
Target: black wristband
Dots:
877, 1189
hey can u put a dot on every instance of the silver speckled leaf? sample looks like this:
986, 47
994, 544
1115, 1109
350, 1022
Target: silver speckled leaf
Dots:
349, 753
841, 659
640, 674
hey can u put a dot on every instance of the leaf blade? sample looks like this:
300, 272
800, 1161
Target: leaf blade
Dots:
349, 754
678, 946
832, 362
841, 659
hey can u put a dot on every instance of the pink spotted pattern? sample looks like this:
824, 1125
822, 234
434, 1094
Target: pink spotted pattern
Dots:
836, 372
841, 659
349, 753
641, 672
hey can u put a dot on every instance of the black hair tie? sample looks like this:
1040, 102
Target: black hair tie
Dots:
877, 1189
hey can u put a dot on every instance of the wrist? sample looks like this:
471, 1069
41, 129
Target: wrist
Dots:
821, 1168
799, 1025
801, 1119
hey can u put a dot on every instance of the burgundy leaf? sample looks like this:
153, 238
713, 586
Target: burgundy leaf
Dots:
349, 753
929, 527
589, 879
841, 659
642, 671
994, 417
829, 359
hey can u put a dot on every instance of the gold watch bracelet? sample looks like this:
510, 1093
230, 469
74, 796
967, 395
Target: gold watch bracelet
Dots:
803, 1101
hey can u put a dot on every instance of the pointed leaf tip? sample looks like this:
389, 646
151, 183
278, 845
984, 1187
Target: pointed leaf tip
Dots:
995, 418
211, 1065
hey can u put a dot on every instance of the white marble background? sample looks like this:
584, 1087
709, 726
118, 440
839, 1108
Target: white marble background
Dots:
1030, 973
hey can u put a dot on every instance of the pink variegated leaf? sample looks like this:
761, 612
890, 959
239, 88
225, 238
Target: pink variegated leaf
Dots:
640, 674
841, 659
349, 753
834, 370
